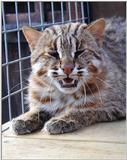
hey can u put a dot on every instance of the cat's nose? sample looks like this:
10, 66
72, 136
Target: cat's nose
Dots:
68, 68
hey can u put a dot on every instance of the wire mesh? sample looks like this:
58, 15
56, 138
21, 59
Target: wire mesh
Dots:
38, 15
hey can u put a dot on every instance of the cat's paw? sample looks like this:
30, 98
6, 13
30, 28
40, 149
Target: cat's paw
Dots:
58, 126
20, 126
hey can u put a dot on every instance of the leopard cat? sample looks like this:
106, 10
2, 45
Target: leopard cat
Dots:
77, 78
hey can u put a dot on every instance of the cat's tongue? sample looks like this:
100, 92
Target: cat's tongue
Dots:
68, 80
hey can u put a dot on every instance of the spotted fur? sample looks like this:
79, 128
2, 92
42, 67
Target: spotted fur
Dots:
74, 81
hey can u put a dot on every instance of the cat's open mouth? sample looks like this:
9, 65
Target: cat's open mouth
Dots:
68, 83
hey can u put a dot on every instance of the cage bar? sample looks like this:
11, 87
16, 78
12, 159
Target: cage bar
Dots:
11, 94
88, 14
62, 12
7, 69
52, 8
69, 10
41, 14
19, 53
15, 61
76, 10
29, 17
82, 11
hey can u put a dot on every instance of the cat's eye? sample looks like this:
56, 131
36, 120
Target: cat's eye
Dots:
54, 54
78, 53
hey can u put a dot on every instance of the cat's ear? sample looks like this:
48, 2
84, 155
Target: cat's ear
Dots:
96, 28
32, 36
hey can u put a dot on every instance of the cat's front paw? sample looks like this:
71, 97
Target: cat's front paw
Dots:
20, 126
59, 126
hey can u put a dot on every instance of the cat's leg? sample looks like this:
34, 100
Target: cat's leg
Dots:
82, 118
29, 121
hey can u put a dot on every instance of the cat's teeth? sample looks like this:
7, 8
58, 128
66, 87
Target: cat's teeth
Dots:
72, 82
68, 85
68, 80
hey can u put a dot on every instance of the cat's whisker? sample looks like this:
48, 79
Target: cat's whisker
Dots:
84, 88
18, 85
23, 69
50, 90
38, 103
84, 92
85, 98
38, 111
100, 96
45, 98
90, 90
91, 100
104, 82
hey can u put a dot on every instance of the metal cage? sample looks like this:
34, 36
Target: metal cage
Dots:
15, 51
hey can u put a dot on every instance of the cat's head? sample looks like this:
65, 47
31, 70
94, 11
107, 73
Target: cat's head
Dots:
67, 56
